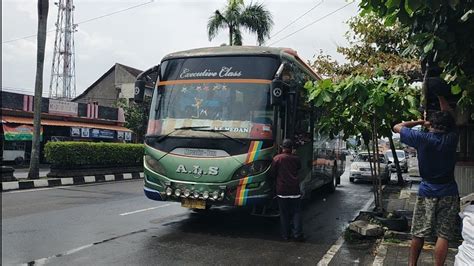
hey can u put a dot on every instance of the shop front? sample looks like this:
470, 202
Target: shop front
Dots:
18, 132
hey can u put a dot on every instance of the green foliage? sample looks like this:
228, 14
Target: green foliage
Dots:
352, 105
441, 31
72, 153
254, 17
374, 49
136, 117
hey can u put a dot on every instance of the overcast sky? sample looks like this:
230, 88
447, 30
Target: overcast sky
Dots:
141, 36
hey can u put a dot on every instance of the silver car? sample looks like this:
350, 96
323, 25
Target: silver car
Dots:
402, 158
360, 168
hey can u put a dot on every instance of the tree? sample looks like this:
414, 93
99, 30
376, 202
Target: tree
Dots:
254, 17
372, 47
136, 117
365, 107
374, 50
43, 8
441, 31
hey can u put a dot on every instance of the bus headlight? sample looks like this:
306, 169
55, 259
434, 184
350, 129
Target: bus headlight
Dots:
254, 168
154, 165
187, 192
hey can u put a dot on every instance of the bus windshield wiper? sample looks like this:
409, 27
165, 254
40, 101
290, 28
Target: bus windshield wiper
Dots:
179, 128
220, 131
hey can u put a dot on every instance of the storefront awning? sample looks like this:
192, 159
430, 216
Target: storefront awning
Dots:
58, 123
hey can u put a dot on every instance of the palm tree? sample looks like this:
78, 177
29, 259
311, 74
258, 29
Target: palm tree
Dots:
254, 17
43, 8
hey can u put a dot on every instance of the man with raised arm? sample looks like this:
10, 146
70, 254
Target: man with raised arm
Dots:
437, 204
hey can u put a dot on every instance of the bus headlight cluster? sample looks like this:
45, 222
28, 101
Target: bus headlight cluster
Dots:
254, 168
154, 165
187, 193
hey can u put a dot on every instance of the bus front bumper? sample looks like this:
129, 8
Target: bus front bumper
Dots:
232, 193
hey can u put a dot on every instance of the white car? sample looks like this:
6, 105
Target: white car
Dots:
360, 168
402, 159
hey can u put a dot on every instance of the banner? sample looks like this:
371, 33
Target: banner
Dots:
75, 132
19, 133
63, 107
102, 133
85, 132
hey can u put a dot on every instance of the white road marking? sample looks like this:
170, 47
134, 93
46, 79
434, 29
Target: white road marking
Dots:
144, 210
326, 259
381, 253
48, 188
127, 176
331, 252
109, 177
40, 183
89, 179
10, 185
67, 181
43, 261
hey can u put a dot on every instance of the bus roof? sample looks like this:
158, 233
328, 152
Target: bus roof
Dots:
279, 52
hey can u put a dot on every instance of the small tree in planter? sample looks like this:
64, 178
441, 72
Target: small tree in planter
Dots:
365, 107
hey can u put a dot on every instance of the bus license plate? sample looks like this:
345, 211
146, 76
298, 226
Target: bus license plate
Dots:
193, 204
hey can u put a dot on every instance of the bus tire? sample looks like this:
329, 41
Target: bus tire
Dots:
331, 186
19, 160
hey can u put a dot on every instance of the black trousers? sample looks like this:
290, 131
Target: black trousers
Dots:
290, 217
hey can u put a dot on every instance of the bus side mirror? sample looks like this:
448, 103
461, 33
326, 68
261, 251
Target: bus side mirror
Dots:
277, 90
139, 91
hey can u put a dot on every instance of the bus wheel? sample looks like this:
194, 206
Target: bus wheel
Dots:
331, 186
19, 160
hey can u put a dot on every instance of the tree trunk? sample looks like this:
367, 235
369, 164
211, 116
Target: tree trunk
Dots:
379, 177
43, 8
374, 186
231, 37
396, 162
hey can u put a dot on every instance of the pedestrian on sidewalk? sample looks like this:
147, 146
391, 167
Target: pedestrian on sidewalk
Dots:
437, 204
285, 168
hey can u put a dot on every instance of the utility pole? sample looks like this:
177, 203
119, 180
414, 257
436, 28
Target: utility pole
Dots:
63, 71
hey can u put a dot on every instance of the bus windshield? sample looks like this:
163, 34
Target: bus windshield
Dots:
229, 94
216, 101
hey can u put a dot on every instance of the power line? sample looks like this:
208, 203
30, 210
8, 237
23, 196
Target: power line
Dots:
317, 20
85, 21
298, 18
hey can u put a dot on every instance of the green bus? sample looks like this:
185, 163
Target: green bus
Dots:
217, 117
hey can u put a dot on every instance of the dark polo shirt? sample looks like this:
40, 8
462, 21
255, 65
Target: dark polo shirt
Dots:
285, 167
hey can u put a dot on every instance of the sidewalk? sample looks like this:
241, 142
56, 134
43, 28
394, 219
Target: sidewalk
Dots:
24, 183
394, 247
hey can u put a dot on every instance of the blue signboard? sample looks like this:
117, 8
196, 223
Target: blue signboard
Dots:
102, 133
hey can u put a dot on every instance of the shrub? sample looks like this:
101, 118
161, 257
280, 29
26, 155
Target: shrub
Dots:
73, 154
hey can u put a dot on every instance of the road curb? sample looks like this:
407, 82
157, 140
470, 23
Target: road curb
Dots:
67, 181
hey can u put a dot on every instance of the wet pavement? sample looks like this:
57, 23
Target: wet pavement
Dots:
113, 223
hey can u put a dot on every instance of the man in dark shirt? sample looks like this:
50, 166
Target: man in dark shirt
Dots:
437, 204
285, 167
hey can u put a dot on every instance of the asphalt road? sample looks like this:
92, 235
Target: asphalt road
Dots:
113, 223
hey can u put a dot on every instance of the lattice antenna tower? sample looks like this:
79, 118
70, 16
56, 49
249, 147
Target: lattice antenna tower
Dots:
63, 71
